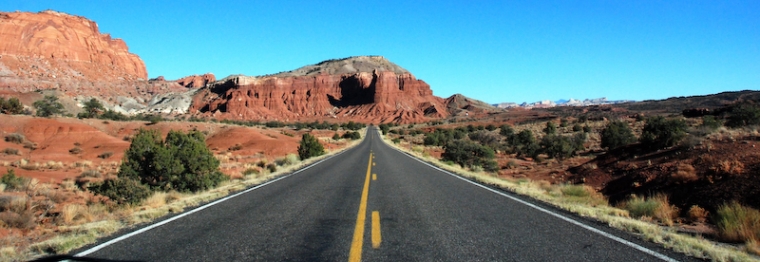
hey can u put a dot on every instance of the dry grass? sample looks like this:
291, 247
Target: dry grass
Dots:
684, 173
656, 207
75, 214
737, 223
698, 214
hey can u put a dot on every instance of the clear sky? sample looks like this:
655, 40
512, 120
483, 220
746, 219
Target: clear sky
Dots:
495, 51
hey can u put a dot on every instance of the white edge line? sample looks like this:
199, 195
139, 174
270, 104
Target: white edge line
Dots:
142, 230
570, 220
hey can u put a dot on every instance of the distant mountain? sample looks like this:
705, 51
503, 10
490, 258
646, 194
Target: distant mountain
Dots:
562, 102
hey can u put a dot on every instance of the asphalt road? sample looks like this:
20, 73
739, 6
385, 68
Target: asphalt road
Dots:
376, 204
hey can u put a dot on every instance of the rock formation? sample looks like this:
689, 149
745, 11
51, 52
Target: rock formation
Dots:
364, 88
65, 46
195, 81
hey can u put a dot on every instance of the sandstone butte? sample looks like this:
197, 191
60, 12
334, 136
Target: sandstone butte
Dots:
362, 88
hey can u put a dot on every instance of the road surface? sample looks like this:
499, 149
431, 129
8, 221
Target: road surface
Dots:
374, 203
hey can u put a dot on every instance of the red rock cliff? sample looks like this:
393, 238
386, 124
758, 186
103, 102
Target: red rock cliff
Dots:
195, 81
63, 42
384, 94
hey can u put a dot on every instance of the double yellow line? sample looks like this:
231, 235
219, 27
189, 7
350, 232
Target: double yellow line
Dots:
355, 254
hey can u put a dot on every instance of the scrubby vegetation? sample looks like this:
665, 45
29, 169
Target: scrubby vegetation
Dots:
48, 106
12, 106
309, 147
660, 132
617, 134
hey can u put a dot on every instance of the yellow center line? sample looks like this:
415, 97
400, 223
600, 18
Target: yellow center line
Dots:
355, 255
376, 238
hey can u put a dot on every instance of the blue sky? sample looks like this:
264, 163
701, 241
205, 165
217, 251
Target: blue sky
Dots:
495, 51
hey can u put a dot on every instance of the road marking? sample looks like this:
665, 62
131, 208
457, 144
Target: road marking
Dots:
145, 229
355, 254
552, 213
376, 238
374, 177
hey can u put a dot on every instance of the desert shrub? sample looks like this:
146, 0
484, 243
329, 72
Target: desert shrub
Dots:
506, 131
15, 138
656, 206
105, 155
353, 135
684, 173
48, 106
236, 147
310, 147
384, 128
336, 136
23, 220
711, 123
12, 106
76, 150
396, 140
562, 147
90, 173
586, 129
563, 122
351, 125
468, 154
182, 162
113, 115
485, 138
490, 127
577, 128
10, 151
251, 171
122, 190
617, 134
698, 214
92, 108
738, 223
660, 133
525, 144
744, 115
550, 128
14, 182
272, 167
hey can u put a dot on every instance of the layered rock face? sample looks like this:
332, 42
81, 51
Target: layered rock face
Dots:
367, 89
67, 46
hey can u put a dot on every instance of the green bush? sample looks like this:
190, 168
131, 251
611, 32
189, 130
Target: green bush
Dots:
353, 135
525, 144
12, 106
113, 115
577, 128
660, 133
711, 123
336, 136
744, 115
561, 147
48, 106
550, 128
182, 162
123, 190
490, 127
309, 147
384, 128
396, 140
506, 131
12, 181
92, 108
468, 154
617, 134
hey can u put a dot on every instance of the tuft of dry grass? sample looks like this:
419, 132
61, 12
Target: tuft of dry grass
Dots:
656, 207
684, 173
737, 223
698, 214
74, 214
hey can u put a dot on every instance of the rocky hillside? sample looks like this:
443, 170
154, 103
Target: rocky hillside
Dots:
362, 88
53, 50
